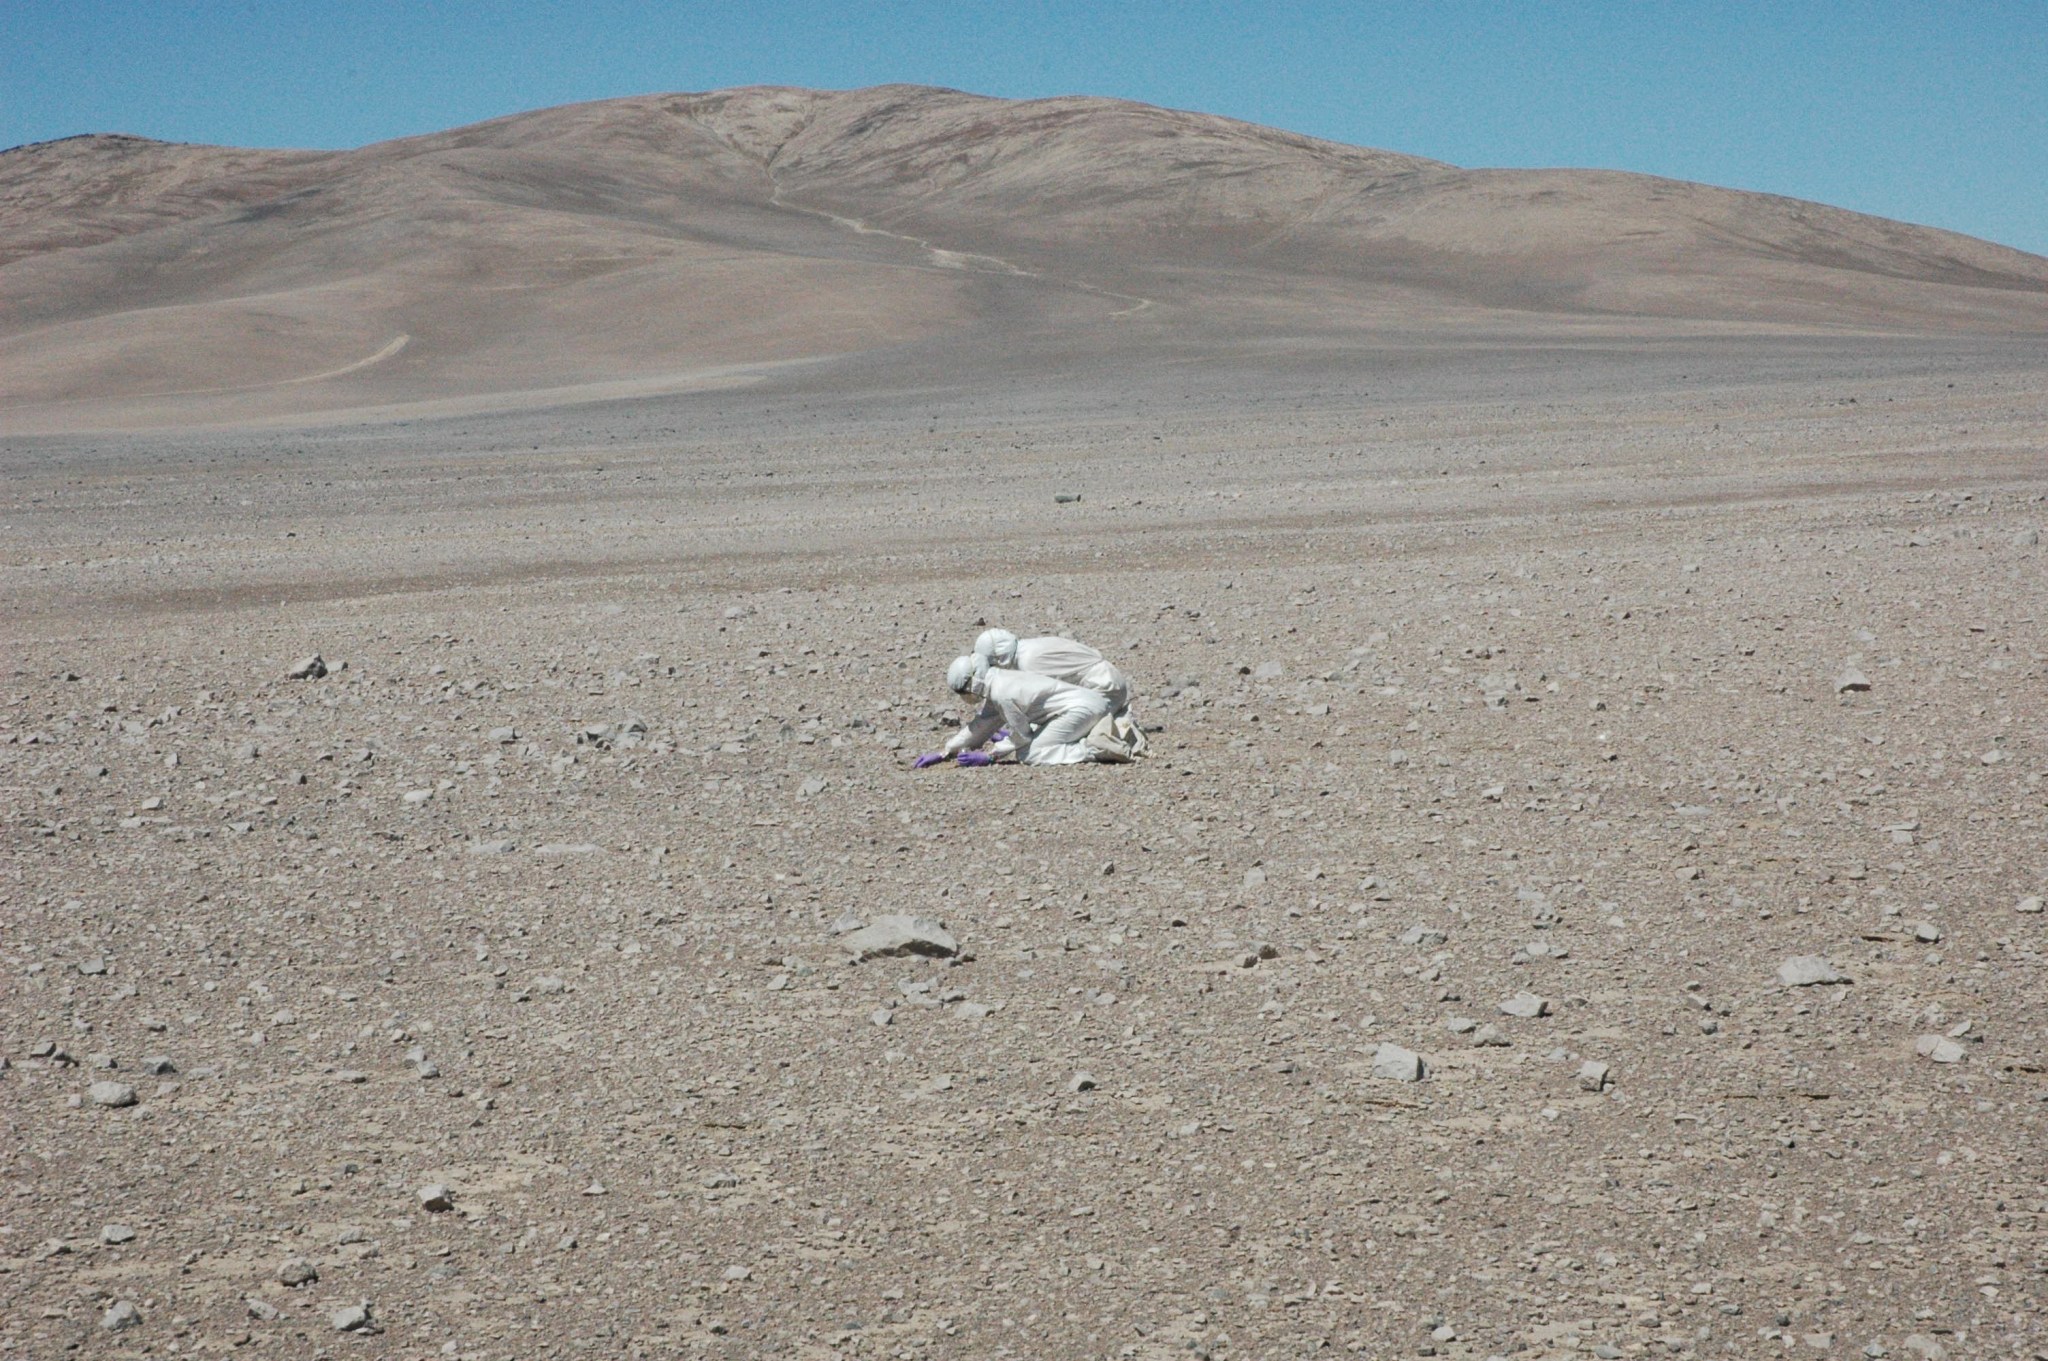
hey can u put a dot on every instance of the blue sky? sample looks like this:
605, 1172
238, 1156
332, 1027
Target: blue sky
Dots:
1931, 112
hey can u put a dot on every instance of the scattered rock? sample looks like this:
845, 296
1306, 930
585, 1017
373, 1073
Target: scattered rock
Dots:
1594, 1076
297, 1271
353, 1318
1939, 1048
1488, 1037
113, 1094
260, 1308
1804, 971
1851, 679
898, 935
1525, 1005
436, 1198
1081, 1082
1396, 1064
120, 1316
117, 1234
1927, 933
1425, 936
2028, 904
308, 668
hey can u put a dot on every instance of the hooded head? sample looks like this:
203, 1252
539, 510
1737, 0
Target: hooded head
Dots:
999, 646
966, 674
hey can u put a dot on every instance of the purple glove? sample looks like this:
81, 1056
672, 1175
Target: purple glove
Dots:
930, 758
976, 758
1002, 734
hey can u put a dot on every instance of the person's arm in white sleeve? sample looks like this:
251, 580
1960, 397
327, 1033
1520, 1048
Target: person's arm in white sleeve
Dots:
1019, 723
977, 731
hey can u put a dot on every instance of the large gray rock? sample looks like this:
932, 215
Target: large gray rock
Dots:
120, 1316
1939, 1048
1396, 1064
352, 1318
111, 1094
1804, 971
898, 935
1526, 1005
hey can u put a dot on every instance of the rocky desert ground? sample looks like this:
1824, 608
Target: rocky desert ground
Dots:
1585, 898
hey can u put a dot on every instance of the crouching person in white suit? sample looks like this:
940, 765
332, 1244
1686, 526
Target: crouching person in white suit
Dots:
1118, 735
1049, 721
1063, 659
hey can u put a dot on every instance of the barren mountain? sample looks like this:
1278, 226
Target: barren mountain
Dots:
666, 242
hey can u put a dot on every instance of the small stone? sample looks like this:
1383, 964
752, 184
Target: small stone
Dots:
1461, 1025
2029, 904
1927, 933
1487, 1037
1525, 1005
1594, 1076
596, 1188
495, 846
504, 737
120, 1316
113, 1094
1938, 1048
811, 788
1851, 679
117, 1234
1396, 1064
1254, 878
1081, 1082
737, 1273
351, 1318
158, 1066
881, 1016
972, 1011
297, 1271
849, 921
1268, 671
260, 1308
307, 668
436, 1198
1422, 935
92, 967
547, 987
2026, 538
1804, 971
898, 935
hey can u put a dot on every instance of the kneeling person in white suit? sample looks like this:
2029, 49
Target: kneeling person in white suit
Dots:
1049, 720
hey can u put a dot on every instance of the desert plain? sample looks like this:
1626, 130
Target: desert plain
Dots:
1628, 708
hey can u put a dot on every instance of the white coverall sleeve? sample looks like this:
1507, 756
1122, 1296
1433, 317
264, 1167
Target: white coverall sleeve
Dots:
978, 730
1019, 723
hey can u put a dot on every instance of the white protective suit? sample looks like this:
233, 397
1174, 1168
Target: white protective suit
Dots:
1063, 659
1049, 720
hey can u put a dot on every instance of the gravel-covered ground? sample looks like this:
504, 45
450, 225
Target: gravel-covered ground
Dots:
1492, 677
